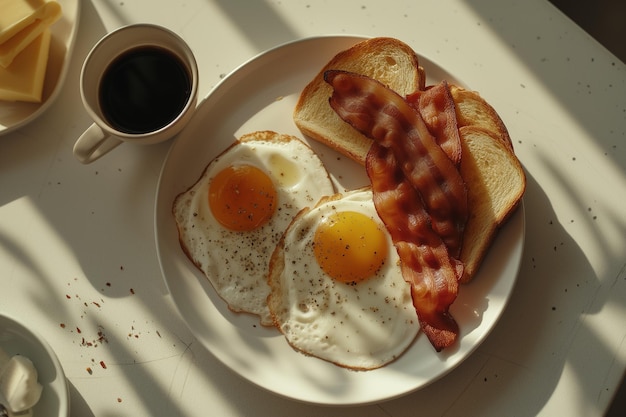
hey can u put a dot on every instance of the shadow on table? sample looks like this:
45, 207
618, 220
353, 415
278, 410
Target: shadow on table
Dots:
602, 19
78, 405
563, 72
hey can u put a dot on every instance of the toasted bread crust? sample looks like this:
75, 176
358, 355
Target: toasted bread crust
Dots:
387, 60
495, 183
473, 110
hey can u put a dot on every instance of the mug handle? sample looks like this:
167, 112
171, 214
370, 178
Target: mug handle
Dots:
93, 144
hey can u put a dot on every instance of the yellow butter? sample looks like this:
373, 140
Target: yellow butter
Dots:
17, 14
44, 16
23, 79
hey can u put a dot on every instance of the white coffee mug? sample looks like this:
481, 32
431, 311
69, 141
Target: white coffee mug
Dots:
128, 92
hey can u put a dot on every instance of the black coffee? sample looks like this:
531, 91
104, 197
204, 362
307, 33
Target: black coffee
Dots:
144, 89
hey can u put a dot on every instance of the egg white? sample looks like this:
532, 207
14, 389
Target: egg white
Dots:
362, 325
236, 263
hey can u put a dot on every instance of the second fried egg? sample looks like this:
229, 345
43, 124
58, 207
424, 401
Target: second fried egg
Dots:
337, 290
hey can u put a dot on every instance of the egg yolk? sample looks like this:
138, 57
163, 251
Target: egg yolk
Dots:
242, 197
349, 246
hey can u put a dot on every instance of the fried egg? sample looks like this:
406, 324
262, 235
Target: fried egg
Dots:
337, 289
231, 219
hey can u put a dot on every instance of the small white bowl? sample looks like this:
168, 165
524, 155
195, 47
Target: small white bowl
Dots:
16, 338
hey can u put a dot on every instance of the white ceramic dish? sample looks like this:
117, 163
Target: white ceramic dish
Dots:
260, 95
16, 338
16, 114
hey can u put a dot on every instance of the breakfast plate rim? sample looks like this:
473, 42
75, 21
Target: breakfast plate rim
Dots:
264, 358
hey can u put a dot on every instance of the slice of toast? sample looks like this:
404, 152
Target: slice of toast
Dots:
495, 183
493, 174
387, 60
473, 110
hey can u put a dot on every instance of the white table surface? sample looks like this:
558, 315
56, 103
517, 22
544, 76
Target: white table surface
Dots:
77, 242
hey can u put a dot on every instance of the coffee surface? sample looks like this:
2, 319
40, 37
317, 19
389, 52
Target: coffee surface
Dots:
144, 89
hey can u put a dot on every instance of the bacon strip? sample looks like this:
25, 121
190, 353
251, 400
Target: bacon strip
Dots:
436, 106
425, 262
388, 119
418, 193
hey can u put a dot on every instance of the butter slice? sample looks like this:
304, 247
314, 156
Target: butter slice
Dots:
17, 14
40, 19
23, 79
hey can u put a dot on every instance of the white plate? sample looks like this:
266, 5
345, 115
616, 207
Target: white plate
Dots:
260, 95
16, 114
16, 338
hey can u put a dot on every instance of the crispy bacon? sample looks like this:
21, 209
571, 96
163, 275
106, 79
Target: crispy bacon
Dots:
388, 119
436, 106
418, 193
425, 262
